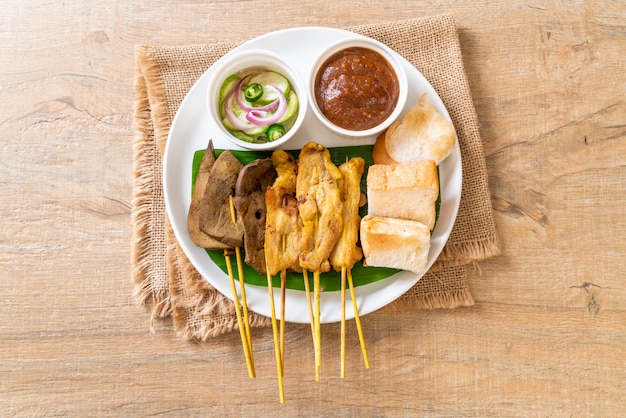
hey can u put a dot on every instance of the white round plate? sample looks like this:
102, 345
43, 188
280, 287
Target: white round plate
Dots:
191, 130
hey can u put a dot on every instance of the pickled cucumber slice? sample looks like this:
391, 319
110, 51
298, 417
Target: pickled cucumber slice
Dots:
292, 107
228, 84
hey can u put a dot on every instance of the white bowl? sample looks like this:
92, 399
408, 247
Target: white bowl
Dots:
257, 58
393, 61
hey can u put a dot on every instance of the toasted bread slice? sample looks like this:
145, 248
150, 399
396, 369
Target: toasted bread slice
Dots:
422, 134
405, 191
379, 151
395, 243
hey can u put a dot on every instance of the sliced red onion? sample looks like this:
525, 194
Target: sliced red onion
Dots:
262, 118
228, 111
239, 93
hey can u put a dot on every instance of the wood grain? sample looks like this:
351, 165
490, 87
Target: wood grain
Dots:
546, 337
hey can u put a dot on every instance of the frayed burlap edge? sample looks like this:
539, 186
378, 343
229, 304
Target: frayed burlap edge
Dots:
161, 120
143, 207
425, 294
460, 253
200, 312
441, 300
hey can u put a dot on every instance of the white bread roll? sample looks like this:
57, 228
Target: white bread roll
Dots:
406, 191
395, 243
422, 134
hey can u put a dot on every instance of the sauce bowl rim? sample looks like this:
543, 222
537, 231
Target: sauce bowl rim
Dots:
388, 54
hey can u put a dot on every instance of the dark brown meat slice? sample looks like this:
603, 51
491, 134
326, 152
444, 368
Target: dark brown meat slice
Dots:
249, 200
198, 204
255, 176
216, 219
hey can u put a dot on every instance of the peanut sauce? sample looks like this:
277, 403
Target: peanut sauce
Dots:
356, 89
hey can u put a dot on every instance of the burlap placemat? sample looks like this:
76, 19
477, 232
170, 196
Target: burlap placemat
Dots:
166, 280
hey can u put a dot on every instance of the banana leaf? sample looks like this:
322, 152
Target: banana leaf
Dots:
330, 281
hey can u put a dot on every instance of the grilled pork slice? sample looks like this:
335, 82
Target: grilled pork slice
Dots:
282, 223
319, 205
346, 252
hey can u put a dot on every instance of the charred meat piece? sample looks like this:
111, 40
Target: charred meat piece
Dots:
198, 204
249, 200
255, 176
319, 205
346, 252
282, 227
215, 218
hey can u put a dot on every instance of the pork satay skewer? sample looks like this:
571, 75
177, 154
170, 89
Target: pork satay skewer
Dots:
319, 205
346, 252
281, 228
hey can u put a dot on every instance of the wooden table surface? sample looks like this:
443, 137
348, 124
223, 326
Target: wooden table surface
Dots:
547, 334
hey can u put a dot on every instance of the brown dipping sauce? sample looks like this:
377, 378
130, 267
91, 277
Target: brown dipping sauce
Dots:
356, 89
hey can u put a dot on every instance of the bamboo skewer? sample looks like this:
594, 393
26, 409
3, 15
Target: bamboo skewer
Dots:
318, 332
358, 320
244, 324
351, 182
307, 289
343, 322
283, 285
244, 302
279, 355
242, 329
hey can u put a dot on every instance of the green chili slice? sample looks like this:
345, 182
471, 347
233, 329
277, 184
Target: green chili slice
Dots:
253, 92
275, 131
